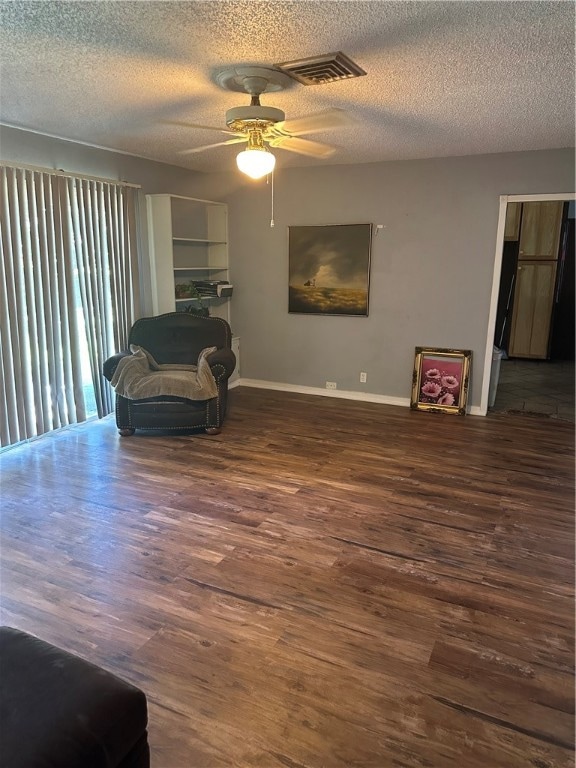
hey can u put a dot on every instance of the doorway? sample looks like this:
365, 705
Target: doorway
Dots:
533, 341
536, 388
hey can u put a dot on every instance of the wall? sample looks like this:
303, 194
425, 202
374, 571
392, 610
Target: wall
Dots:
23, 147
431, 273
432, 265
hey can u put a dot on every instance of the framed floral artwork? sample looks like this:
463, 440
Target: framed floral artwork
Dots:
440, 380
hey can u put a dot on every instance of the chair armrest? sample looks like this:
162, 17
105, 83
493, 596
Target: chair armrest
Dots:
111, 364
224, 357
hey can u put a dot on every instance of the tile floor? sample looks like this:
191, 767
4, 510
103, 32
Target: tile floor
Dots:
536, 386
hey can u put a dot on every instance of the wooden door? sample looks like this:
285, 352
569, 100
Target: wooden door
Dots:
540, 232
533, 300
512, 226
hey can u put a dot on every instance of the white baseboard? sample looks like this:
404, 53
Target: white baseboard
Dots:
366, 397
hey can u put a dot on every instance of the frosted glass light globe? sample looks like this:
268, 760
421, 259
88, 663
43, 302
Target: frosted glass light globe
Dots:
256, 162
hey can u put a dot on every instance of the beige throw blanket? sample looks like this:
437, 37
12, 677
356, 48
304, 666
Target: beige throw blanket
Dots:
139, 376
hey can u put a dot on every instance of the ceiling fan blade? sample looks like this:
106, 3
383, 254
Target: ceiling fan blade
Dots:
320, 121
192, 151
303, 146
196, 125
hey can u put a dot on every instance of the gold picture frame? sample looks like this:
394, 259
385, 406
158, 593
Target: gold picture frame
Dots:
440, 380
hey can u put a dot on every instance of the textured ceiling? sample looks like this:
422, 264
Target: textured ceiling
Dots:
444, 78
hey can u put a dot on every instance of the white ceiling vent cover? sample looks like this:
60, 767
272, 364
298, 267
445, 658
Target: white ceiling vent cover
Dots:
316, 70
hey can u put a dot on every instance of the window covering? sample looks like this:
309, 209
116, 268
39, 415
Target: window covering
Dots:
69, 292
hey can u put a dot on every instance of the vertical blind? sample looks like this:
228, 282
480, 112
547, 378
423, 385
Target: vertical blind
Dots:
68, 288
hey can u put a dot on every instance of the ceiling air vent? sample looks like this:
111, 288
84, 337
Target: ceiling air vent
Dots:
321, 69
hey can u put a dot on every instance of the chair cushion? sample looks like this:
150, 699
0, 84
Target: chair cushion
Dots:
59, 711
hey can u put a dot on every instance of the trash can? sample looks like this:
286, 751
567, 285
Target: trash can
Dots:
497, 355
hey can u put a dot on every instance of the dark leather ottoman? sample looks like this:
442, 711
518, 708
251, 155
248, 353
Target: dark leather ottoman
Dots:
58, 711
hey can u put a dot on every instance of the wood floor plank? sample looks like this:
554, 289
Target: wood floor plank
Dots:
324, 584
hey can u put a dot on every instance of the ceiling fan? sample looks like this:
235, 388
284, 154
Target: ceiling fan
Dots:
263, 127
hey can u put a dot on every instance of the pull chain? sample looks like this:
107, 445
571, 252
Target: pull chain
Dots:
272, 199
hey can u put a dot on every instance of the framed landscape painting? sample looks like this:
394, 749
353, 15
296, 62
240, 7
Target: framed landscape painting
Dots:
329, 269
440, 380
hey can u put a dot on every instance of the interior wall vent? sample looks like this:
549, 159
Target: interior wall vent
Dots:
316, 70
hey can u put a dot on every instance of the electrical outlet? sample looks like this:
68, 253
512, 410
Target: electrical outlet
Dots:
363, 377
330, 385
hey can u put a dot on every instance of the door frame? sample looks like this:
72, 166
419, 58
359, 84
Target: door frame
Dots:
504, 200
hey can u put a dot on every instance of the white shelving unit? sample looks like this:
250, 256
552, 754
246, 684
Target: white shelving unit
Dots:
188, 240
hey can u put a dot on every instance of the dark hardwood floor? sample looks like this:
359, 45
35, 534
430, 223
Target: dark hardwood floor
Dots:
324, 584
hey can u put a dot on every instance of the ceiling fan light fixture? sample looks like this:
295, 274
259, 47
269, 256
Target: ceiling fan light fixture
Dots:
263, 127
256, 162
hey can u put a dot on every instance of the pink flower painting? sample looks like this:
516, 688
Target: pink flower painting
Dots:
430, 389
440, 381
449, 382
